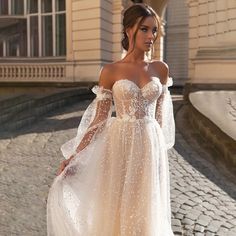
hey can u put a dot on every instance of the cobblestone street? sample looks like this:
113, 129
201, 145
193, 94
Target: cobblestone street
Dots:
203, 199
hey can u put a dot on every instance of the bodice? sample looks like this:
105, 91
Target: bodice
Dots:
132, 102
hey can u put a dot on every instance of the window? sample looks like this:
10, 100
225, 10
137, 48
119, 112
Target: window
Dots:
32, 6
47, 37
34, 36
60, 33
60, 5
14, 39
53, 25
3, 7
1, 49
13, 47
17, 7
46, 6
36, 28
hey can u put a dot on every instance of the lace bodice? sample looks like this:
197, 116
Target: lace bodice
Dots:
132, 102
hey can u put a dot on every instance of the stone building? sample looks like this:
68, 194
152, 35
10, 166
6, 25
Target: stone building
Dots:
58, 41
212, 43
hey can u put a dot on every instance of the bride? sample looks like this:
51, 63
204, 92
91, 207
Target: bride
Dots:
115, 179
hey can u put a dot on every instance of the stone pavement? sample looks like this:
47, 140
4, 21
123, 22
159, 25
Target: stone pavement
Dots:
203, 198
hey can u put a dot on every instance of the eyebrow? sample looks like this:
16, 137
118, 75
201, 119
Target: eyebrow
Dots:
148, 26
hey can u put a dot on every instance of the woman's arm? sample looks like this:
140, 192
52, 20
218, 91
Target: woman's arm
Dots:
102, 113
162, 70
164, 108
102, 104
104, 96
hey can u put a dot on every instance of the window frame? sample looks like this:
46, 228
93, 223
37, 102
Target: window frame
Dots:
39, 14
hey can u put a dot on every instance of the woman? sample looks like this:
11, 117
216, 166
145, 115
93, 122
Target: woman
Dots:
116, 179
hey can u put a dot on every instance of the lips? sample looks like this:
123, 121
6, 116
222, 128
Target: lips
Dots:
148, 43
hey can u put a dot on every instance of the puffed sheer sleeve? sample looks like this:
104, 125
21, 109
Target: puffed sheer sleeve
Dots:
165, 114
93, 121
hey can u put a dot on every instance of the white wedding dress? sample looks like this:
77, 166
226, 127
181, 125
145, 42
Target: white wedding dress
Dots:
118, 185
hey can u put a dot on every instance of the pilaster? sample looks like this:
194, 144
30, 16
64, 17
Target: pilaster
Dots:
91, 37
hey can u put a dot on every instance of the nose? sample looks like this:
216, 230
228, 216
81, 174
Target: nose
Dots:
151, 35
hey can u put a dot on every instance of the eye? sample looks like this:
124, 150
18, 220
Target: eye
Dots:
143, 29
154, 31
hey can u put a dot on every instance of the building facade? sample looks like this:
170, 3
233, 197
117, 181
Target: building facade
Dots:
58, 41
212, 42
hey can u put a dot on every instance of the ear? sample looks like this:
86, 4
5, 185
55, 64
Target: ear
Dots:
128, 31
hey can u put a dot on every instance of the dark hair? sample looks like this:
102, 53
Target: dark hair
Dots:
131, 16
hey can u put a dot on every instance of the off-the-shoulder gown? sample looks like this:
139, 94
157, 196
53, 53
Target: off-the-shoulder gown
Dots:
118, 185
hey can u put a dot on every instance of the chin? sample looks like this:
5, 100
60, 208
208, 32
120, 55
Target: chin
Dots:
147, 50
144, 49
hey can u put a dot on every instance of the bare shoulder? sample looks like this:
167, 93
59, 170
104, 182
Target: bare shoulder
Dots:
106, 79
162, 70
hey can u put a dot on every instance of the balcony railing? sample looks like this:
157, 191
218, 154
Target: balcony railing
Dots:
32, 72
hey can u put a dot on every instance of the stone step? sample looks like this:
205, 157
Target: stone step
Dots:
9, 108
212, 135
7, 101
28, 111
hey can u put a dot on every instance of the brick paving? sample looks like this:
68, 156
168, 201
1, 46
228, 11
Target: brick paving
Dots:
203, 199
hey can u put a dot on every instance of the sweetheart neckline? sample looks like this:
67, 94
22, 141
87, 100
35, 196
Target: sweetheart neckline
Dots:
152, 80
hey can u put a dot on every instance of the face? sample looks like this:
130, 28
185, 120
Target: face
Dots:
146, 34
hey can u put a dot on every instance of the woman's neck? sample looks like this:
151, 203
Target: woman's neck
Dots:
135, 56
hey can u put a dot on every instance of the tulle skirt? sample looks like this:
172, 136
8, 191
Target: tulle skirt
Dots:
117, 186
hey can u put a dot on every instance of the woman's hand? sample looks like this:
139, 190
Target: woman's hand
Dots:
64, 164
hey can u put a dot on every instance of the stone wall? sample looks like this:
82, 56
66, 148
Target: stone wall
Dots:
212, 41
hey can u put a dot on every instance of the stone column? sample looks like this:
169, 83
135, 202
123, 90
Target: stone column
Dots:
91, 37
118, 7
176, 40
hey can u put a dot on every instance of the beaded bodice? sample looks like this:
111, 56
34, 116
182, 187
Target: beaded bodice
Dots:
132, 102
